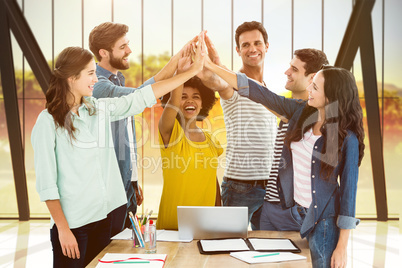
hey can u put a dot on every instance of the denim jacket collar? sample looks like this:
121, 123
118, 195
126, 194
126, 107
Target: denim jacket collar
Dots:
118, 79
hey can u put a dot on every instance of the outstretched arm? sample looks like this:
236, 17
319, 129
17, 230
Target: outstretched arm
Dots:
212, 80
170, 68
163, 87
167, 120
229, 76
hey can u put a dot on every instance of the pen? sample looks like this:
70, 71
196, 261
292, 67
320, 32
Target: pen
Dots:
266, 255
146, 218
116, 262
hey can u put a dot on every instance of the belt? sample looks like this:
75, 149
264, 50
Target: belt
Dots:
252, 182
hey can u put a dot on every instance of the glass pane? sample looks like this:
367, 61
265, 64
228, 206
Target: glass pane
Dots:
336, 17
95, 12
17, 61
365, 200
157, 51
184, 29
217, 22
133, 20
67, 34
8, 197
157, 32
39, 17
307, 24
33, 108
366, 203
31, 84
243, 11
393, 105
277, 22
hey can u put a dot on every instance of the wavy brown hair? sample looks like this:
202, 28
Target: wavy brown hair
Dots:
70, 62
104, 36
342, 112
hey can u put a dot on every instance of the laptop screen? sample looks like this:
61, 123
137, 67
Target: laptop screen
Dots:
196, 222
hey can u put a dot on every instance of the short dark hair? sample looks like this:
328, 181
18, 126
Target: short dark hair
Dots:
207, 97
104, 36
249, 26
313, 59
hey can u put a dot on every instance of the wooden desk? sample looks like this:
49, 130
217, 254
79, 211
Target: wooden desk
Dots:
187, 254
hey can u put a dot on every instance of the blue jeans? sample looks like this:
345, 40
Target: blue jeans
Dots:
240, 194
322, 242
91, 238
274, 218
324, 237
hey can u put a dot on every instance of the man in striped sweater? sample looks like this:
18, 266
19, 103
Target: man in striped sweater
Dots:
250, 127
304, 65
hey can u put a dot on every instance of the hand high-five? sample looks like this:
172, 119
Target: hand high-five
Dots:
199, 52
185, 61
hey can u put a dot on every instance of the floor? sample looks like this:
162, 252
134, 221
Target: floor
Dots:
26, 244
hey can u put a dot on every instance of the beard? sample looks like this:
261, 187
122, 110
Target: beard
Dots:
118, 63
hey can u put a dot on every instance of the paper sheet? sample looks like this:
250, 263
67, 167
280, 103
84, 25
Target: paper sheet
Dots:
170, 236
271, 244
116, 256
247, 256
126, 234
224, 245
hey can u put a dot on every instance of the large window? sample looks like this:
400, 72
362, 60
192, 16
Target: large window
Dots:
159, 29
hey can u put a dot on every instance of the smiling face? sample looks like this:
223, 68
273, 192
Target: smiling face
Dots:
191, 102
83, 84
297, 80
316, 94
252, 48
118, 58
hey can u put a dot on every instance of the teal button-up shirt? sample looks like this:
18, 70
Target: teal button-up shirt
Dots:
83, 173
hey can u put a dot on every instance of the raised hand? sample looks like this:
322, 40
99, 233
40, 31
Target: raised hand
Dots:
199, 53
209, 78
185, 61
212, 52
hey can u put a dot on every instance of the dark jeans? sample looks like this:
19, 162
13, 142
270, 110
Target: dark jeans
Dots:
91, 238
118, 218
274, 218
238, 193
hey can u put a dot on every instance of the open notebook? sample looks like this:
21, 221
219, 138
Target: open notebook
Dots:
219, 246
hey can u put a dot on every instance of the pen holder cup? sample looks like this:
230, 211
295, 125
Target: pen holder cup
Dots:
136, 239
149, 235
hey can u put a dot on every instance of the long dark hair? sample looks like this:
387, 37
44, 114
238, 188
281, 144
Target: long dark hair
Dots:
70, 62
342, 112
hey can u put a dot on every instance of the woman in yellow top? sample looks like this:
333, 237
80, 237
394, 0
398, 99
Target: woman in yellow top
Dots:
189, 154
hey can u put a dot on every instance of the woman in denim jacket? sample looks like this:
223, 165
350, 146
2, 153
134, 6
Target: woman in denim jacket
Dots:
327, 134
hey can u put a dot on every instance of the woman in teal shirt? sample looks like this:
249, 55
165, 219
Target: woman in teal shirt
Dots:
77, 174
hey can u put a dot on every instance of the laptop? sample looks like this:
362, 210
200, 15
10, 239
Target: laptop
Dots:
196, 222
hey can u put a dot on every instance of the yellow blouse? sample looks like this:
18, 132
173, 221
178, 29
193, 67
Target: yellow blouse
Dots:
189, 174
